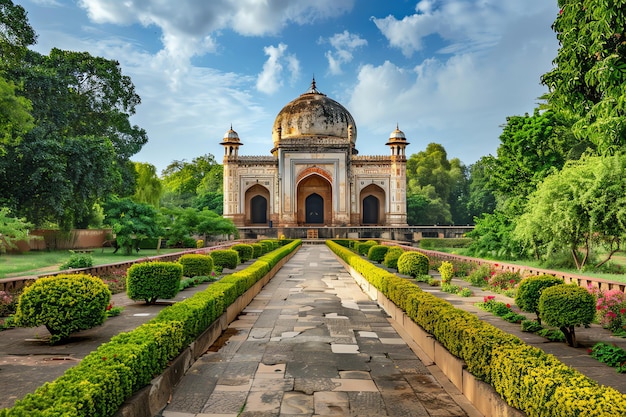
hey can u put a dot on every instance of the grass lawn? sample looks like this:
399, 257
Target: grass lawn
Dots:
618, 258
41, 262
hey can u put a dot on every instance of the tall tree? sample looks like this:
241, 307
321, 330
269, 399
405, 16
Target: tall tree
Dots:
149, 188
578, 208
588, 81
192, 184
444, 183
16, 34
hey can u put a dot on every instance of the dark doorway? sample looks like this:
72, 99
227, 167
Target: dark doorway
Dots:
259, 209
370, 210
314, 205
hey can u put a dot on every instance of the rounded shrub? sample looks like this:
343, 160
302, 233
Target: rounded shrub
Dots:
245, 252
225, 258
64, 303
446, 269
268, 245
567, 306
77, 261
413, 263
377, 253
529, 290
195, 265
257, 250
391, 257
363, 247
150, 281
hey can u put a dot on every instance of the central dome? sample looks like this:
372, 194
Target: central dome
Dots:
314, 115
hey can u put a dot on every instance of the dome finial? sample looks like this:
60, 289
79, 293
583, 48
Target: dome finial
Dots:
313, 89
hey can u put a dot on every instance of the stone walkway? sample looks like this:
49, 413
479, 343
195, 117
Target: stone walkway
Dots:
313, 344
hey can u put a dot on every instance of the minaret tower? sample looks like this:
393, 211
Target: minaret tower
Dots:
397, 208
231, 146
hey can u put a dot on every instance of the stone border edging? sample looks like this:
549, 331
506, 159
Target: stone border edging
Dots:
151, 399
482, 395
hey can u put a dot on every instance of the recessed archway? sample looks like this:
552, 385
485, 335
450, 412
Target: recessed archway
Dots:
372, 205
257, 201
314, 200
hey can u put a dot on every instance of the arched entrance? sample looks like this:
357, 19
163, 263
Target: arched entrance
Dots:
257, 200
258, 209
372, 205
370, 210
314, 200
314, 209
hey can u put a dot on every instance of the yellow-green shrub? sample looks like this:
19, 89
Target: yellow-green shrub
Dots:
446, 269
413, 263
377, 253
64, 303
245, 251
150, 281
195, 265
392, 256
225, 258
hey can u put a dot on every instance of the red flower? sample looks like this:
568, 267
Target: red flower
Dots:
508, 305
512, 281
496, 265
622, 311
104, 358
589, 351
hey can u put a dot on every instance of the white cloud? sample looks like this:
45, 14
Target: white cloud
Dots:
344, 45
460, 101
270, 79
465, 25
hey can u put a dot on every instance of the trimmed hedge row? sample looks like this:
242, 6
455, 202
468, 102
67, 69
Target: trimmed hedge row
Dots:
524, 376
100, 383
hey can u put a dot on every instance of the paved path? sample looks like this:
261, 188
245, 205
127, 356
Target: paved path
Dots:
313, 344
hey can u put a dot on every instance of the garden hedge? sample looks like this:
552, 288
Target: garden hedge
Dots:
150, 281
225, 258
105, 378
195, 265
245, 251
377, 253
527, 378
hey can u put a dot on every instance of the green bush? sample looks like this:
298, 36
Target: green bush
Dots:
246, 252
269, 244
413, 263
566, 306
64, 303
529, 291
377, 253
257, 250
196, 264
391, 257
531, 326
447, 272
480, 276
150, 281
77, 261
225, 258
362, 248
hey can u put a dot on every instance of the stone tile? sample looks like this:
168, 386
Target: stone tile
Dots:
307, 370
312, 385
296, 403
225, 402
213, 415
366, 404
263, 401
392, 341
365, 385
342, 348
234, 385
273, 369
272, 384
368, 334
354, 375
331, 403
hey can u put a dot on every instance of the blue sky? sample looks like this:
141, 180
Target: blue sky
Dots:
445, 71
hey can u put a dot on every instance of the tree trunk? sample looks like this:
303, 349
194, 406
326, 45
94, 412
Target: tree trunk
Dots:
570, 335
